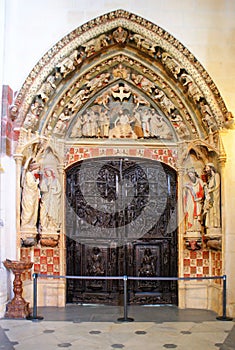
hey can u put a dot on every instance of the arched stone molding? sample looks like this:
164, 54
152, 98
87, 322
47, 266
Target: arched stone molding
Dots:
82, 55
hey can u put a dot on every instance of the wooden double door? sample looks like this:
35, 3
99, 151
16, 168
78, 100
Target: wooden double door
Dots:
121, 219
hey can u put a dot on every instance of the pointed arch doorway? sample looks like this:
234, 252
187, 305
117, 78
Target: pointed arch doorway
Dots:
72, 106
121, 220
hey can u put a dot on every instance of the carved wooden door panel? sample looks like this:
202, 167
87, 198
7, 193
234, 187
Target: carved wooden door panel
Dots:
121, 220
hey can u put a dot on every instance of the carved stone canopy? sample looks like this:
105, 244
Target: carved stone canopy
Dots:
114, 63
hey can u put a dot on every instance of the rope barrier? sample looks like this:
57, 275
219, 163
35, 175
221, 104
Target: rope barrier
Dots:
125, 278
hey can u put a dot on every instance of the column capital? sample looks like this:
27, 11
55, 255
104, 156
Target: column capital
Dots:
18, 156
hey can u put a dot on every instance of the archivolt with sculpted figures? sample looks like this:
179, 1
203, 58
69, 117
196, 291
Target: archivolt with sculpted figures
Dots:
120, 45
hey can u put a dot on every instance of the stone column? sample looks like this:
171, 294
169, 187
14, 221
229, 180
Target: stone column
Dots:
18, 159
61, 173
228, 217
181, 284
222, 160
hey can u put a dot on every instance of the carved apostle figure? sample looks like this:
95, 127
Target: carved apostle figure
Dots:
212, 197
193, 201
30, 196
50, 214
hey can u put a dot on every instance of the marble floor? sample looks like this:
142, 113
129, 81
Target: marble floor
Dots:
98, 327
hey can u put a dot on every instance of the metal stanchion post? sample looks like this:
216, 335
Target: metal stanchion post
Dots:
125, 318
35, 317
224, 317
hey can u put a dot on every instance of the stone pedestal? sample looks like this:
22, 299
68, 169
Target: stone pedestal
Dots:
17, 307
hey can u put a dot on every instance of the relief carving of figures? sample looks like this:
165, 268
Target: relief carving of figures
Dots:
148, 264
30, 196
55, 78
50, 207
147, 269
207, 116
121, 72
31, 119
103, 100
192, 89
137, 127
46, 90
70, 63
179, 126
143, 83
158, 127
171, 64
95, 267
75, 98
104, 122
62, 121
97, 82
120, 35
144, 44
122, 127
77, 129
76, 101
90, 124
193, 197
145, 122
119, 120
96, 263
96, 44
139, 100
164, 101
211, 207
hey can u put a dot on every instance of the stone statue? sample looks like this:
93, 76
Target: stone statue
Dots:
171, 64
77, 129
30, 196
164, 101
211, 208
192, 89
193, 201
104, 122
50, 213
122, 127
145, 122
69, 63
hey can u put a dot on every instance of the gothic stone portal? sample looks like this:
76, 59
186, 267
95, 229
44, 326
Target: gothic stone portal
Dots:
121, 220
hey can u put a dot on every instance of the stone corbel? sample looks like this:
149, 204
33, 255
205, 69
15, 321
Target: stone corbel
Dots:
213, 243
193, 244
193, 240
49, 240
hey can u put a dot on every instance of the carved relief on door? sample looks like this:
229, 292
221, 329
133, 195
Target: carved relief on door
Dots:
121, 220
